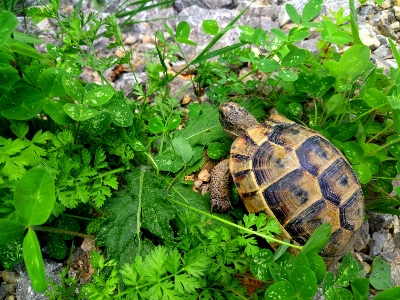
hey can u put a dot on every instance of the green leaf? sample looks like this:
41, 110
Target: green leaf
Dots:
98, 96
396, 119
280, 290
363, 172
22, 48
347, 271
183, 149
121, 115
56, 246
55, 109
8, 23
279, 34
335, 104
259, 265
293, 14
203, 129
35, 196
393, 293
182, 33
67, 223
141, 203
11, 253
287, 75
19, 128
295, 109
78, 112
210, 27
328, 286
294, 57
73, 88
304, 281
50, 81
216, 150
34, 262
343, 131
375, 97
360, 288
380, 277
268, 65
317, 265
279, 272
318, 239
298, 34
311, 10
342, 294
98, 124
313, 84
22, 103
394, 149
11, 230
156, 125
173, 122
353, 152
355, 62
169, 162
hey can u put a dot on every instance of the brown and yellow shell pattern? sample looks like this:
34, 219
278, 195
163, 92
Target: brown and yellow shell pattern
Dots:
293, 173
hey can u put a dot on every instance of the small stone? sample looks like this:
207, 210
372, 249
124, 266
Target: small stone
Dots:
365, 257
376, 243
148, 39
368, 37
366, 10
88, 245
395, 26
391, 17
198, 183
388, 246
388, 256
130, 39
396, 2
381, 51
396, 11
186, 99
9, 276
362, 238
204, 175
382, 39
385, 4
119, 52
378, 221
204, 189
386, 30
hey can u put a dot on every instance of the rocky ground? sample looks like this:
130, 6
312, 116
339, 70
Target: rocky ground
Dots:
376, 23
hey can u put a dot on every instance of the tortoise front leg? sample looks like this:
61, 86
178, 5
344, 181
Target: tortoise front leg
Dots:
219, 187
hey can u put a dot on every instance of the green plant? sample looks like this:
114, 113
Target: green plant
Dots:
65, 142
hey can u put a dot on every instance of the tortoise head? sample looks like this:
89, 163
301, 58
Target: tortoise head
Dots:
235, 120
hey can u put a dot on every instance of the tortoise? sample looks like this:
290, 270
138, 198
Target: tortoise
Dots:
292, 173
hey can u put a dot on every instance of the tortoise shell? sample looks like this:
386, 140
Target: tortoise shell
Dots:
296, 175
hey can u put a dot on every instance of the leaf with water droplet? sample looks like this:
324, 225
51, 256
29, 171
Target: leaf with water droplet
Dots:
79, 112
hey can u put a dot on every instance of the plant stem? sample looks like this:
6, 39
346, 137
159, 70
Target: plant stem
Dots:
59, 230
271, 239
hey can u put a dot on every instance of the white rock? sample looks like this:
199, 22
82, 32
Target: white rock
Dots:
385, 4
395, 26
396, 10
368, 37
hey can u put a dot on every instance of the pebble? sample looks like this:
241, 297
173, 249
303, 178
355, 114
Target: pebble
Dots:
368, 37
396, 11
198, 183
376, 243
204, 175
